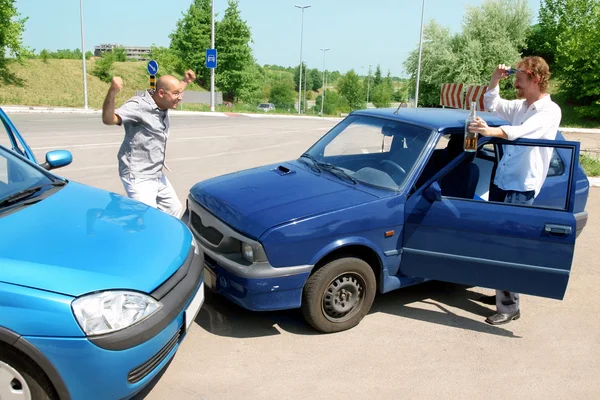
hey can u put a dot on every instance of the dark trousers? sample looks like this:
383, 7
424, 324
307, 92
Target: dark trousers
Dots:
508, 302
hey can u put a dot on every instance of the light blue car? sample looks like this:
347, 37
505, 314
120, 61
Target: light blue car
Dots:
97, 291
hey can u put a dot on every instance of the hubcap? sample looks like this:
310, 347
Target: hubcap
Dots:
343, 297
12, 384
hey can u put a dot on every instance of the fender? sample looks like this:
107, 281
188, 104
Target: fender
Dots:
15, 340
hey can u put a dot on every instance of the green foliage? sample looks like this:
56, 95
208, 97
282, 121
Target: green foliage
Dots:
591, 165
11, 39
350, 87
316, 79
310, 83
377, 78
334, 104
103, 67
191, 38
44, 55
577, 57
283, 94
168, 62
64, 54
383, 91
120, 54
236, 71
491, 34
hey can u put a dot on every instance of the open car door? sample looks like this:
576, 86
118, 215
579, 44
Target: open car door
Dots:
519, 248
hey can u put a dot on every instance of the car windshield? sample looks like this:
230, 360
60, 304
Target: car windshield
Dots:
16, 175
373, 151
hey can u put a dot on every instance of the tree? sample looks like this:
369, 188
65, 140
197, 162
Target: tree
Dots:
120, 54
44, 55
168, 62
191, 38
236, 71
491, 34
377, 78
316, 78
309, 77
103, 67
11, 38
566, 35
283, 94
334, 104
351, 89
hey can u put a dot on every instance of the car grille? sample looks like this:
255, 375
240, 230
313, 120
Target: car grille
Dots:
140, 372
208, 233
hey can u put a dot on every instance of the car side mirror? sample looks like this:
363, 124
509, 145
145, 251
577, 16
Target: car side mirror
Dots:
433, 192
57, 159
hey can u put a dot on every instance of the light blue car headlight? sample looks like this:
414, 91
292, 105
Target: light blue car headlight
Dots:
112, 311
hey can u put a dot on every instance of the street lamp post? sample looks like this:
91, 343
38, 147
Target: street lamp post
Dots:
323, 91
368, 85
420, 51
305, 71
212, 70
300, 74
85, 96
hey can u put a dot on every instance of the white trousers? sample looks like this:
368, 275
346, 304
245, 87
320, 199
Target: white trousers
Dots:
155, 192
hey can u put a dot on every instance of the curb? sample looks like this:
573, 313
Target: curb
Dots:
595, 182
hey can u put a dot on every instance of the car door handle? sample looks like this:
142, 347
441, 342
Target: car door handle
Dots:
558, 230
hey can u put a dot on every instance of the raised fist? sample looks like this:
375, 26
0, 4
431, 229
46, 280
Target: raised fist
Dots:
190, 76
117, 84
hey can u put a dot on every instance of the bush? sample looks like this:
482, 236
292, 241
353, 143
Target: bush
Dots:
103, 67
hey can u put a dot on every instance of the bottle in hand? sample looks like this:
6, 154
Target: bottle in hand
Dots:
470, 143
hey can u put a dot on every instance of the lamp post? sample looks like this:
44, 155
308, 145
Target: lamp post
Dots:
85, 96
323, 91
305, 71
212, 70
300, 74
420, 51
368, 85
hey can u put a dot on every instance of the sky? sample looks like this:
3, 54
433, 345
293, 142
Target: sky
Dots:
358, 33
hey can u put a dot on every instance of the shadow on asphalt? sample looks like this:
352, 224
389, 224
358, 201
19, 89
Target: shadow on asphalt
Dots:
221, 317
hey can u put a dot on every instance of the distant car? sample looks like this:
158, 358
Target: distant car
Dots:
384, 200
266, 107
97, 291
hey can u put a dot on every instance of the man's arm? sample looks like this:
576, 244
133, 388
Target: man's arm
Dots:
108, 108
492, 100
189, 78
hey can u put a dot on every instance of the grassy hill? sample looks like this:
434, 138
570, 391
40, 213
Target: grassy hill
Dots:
59, 83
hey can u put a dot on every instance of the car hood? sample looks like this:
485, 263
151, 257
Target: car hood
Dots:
82, 239
257, 199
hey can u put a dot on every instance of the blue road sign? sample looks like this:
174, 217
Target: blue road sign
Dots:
152, 67
211, 58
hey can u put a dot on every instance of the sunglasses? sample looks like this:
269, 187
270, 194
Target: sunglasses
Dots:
513, 71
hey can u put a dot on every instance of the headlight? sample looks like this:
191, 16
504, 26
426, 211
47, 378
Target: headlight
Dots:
111, 311
248, 252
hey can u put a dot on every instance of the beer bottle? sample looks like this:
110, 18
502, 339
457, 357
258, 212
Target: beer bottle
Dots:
470, 143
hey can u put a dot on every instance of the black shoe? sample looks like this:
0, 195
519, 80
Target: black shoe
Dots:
491, 300
503, 318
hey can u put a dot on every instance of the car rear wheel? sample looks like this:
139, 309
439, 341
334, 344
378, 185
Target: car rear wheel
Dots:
339, 295
21, 379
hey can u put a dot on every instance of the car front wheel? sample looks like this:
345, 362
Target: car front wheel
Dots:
21, 379
338, 295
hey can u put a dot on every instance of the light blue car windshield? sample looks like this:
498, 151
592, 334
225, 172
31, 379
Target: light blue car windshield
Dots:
373, 151
17, 175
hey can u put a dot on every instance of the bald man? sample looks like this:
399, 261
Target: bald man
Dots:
142, 153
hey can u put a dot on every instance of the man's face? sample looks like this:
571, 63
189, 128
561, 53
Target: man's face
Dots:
524, 83
170, 97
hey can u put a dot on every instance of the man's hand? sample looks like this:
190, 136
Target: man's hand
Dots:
116, 84
189, 76
481, 127
501, 72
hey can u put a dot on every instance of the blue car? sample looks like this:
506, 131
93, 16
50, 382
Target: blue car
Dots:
97, 291
384, 200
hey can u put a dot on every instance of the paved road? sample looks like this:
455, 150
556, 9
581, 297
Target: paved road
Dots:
422, 342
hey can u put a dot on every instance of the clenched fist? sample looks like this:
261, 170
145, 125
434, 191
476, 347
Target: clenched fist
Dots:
189, 76
117, 84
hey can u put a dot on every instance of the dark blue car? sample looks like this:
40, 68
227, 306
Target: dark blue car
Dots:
97, 291
385, 200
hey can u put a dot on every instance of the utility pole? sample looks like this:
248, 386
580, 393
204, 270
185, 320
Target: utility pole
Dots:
300, 74
323, 91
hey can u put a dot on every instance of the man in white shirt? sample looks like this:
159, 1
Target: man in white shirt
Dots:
522, 169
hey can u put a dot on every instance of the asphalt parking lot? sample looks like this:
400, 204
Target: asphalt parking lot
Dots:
425, 341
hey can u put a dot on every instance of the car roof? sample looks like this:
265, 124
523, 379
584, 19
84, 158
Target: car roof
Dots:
440, 119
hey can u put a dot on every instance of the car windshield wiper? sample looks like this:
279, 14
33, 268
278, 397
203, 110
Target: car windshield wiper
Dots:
331, 168
314, 160
27, 193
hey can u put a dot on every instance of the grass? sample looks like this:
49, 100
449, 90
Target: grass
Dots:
59, 83
590, 164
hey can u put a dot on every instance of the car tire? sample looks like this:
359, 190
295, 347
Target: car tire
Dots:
338, 295
19, 374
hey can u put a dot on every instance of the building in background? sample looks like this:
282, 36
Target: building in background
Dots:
135, 52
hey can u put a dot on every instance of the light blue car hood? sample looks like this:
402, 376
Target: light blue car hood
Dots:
82, 239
